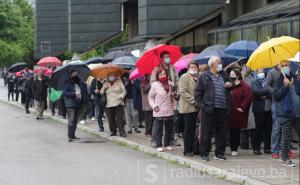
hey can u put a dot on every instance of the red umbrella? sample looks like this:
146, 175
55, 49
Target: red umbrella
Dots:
49, 62
151, 58
18, 74
48, 72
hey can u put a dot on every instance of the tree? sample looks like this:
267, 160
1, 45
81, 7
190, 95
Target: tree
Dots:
16, 32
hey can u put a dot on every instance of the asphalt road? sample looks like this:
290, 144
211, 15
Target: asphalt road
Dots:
37, 153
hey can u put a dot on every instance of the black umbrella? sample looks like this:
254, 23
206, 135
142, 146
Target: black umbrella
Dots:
126, 62
61, 74
17, 67
94, 60
110, 56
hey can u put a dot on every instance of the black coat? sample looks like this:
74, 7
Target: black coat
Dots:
28, 86
39, 89
205, 93
96, 84
260, 94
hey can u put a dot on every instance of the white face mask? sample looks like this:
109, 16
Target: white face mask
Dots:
167, 60
261, 76
219, 67
193, 72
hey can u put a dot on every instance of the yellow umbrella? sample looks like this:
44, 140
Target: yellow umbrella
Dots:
272, 52
103, 71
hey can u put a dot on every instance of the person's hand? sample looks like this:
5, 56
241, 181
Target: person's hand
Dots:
156, 109
240, 110
228, 84
97, 91
105, 86
286, 82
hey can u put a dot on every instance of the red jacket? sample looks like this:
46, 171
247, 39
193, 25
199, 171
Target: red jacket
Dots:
241, 98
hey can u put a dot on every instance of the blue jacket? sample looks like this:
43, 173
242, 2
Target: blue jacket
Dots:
70, 97
279, 93
260, 95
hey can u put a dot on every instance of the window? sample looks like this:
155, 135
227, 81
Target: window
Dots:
264, 32
250, 34
283, 29
295, 29
211, 39
235, 35
222, 38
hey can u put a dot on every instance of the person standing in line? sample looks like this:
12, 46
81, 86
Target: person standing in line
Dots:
4, 76
262, 100
145, 88
39, 90
96, 86
241, 95
28, 91
74, 90
187, 106
162, 102
10, 86
212, 96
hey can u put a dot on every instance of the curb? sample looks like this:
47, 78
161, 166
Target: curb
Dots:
201, 167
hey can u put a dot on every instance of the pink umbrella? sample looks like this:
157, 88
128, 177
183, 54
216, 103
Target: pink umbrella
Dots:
49, 62
135, 74
182, 63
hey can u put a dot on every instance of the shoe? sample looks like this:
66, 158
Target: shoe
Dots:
220, 157
257, 152
137, 131
205, 158
291, 155
101, 130
141, 126
288, 163
275, 156
82, 122
174, 143
168, 148
267, 151
245, 147
188, 154
234, 153
69, 139
75, 138
129, 132
113, 134
123, 134
160, 149
93, 119
103, 119
37, 118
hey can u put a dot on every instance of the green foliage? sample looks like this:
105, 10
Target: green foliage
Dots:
16, 32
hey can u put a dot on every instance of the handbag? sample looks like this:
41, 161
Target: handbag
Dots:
103, 100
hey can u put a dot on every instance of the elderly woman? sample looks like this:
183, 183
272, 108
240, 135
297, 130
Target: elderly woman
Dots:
115, 93
187, 106
241, 95
161, 101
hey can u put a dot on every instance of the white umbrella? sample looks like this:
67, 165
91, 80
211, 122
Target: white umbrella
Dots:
296, 58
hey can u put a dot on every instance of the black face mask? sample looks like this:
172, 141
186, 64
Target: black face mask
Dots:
233, 79
76, 79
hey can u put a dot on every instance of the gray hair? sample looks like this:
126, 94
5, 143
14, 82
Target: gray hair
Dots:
213, 59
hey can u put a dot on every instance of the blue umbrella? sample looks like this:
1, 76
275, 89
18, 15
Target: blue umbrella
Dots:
215, 50
242, 48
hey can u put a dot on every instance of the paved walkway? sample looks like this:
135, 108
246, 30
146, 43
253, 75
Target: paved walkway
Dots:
245, 168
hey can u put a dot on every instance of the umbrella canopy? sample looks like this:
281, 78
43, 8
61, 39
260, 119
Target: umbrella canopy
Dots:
103, 71
151, 58
18, 74
126, 62
272, 52
135, 74
296, 58
55, 95
61, 74
94, 60
37, 69
17, 67
110, 56
215, 50
242, 48
183, 62
49, 62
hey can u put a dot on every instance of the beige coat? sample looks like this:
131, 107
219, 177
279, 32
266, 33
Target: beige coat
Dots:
186, 90
115, 93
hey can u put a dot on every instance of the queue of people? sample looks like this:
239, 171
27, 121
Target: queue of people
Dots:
211, 102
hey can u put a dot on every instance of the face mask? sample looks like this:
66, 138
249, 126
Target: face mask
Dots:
167, 60
163, 79
261, 76
111, 78
233, 79
286, 70
219, 67
193, 72
75, 78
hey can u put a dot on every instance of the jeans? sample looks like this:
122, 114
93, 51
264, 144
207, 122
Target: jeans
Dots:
73, 116
158, 126
275, 136
189, 132
99, 114
213, 122
131, 115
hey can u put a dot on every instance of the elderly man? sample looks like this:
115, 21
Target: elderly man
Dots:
213, 97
